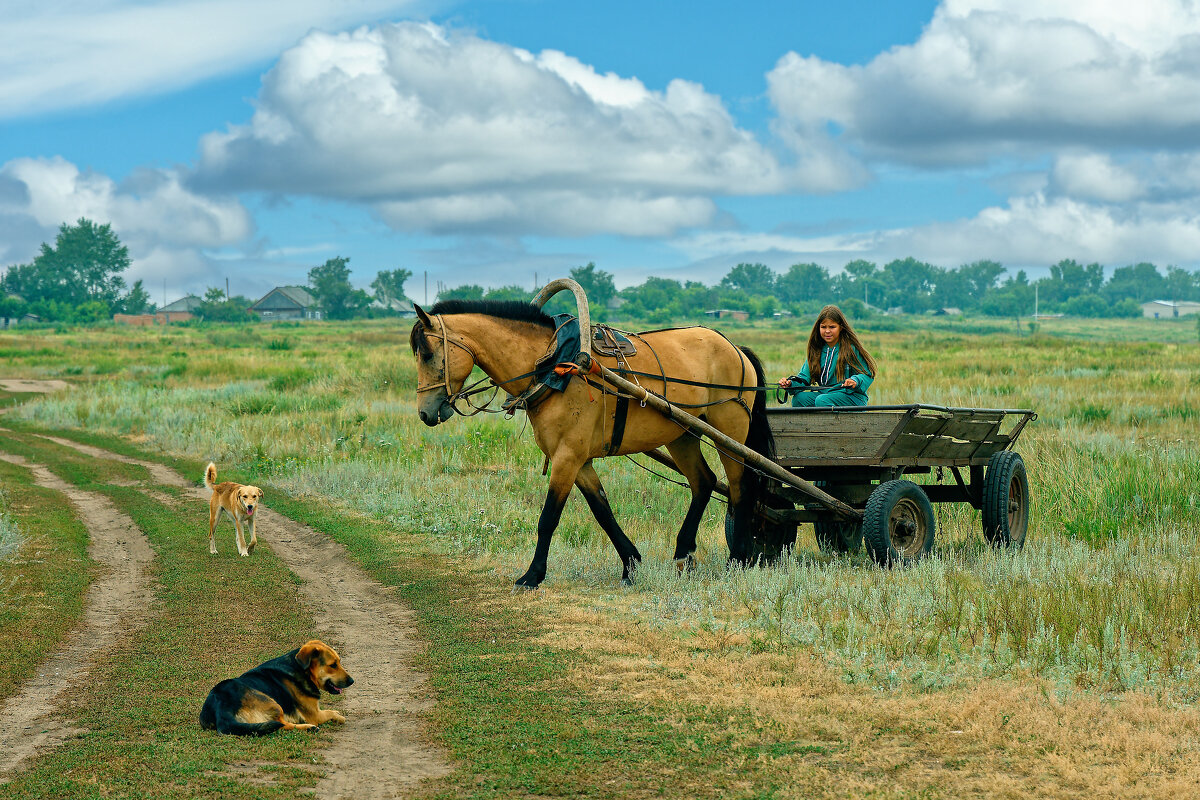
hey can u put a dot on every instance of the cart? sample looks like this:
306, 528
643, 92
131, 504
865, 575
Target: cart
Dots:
861, 455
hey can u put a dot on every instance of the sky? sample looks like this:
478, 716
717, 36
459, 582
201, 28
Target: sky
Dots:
505, 142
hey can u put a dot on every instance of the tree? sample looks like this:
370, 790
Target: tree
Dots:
216, 307
753, 279
389, 285
331, 286
911, 283
468, 291
1140, 282
84, 264
803, 283
978, 278
597, 284
136, 302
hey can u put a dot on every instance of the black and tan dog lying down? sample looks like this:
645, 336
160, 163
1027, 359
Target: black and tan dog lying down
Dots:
282, 694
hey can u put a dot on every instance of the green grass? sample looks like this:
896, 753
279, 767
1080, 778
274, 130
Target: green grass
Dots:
42, 580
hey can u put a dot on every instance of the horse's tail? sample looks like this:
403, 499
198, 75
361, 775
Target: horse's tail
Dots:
759, 439
740, 525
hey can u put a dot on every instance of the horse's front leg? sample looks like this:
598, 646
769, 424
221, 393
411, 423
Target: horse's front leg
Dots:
562, 477
593, 491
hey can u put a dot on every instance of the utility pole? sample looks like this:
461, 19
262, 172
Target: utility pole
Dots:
226, 287
1035, 302
426, 287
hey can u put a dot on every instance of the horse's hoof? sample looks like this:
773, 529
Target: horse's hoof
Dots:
685, 564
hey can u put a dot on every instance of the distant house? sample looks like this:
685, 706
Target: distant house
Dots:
141, 320
728, 313
402, 307
285, 303
1161, 309
179, 311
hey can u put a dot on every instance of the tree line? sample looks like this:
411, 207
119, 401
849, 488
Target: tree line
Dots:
912, 286
78, 279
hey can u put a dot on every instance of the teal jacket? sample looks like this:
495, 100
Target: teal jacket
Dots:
829, 355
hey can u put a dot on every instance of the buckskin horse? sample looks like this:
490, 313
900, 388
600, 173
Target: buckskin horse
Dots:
695, 368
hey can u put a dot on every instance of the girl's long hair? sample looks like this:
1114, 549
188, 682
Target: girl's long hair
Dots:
845, 354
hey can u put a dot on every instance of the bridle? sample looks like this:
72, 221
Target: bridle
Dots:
464, 392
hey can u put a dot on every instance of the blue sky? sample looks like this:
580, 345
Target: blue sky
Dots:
505, 141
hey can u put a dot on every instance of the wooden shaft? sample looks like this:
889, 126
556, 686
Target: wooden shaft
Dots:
728, 444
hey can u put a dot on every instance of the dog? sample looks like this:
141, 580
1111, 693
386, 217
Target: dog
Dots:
237, 501
282, 694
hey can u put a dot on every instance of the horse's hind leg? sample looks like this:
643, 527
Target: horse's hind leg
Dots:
739, 517
690, 459
589, 484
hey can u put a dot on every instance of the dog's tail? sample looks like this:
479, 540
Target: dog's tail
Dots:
237, 728
210, 476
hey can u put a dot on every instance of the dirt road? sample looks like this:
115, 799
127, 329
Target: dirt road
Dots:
380, 752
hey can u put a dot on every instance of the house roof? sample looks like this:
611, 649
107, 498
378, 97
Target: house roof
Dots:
285, 297
188, 303
1171, 303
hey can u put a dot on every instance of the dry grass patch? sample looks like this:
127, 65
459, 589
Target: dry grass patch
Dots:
828, 738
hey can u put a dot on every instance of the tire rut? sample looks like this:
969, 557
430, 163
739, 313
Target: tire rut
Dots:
380, 752
116, 604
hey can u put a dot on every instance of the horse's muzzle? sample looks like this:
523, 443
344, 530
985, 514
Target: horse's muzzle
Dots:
443, 412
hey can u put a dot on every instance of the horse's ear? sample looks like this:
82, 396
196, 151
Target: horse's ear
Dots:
421, 315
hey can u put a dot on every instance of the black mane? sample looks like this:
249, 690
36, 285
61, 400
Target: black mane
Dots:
504, 309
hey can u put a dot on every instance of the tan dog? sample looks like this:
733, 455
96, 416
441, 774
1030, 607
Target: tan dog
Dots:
237, 501
283, 693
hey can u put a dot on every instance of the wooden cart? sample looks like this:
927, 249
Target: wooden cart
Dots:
861, 455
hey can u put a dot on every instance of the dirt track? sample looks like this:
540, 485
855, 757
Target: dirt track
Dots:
117, 602
379, 753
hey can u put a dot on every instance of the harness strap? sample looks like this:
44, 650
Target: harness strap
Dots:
619, 416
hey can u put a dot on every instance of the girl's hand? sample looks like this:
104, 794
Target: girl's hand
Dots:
850, 383
785, 382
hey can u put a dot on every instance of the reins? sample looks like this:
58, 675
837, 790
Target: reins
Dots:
487, 383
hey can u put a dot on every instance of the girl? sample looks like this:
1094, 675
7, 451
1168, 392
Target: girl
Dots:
837, 362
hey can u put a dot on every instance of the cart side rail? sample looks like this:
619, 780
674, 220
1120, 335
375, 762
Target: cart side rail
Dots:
894, 435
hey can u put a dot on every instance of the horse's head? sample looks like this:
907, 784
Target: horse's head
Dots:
443, 364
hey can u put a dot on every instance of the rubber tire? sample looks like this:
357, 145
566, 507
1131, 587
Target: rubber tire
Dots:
892, 503
837, 537
1005, 500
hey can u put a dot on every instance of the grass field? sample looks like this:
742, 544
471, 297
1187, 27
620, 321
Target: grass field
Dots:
1057, 669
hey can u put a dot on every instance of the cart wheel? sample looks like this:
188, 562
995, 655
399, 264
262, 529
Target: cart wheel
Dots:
837, 537
1005, 500
898, 524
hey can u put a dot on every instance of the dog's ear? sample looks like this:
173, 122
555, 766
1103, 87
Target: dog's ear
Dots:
421, 315
306, 654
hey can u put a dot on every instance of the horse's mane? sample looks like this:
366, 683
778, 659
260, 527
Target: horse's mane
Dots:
501, 309
504, 309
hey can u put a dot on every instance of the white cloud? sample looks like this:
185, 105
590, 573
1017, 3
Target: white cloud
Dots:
988, 77
61, 54
164, 225
1035, 230
443, 131
1094, 176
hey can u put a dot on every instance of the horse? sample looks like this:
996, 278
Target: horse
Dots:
695, 368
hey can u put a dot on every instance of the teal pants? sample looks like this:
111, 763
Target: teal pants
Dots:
838, 397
